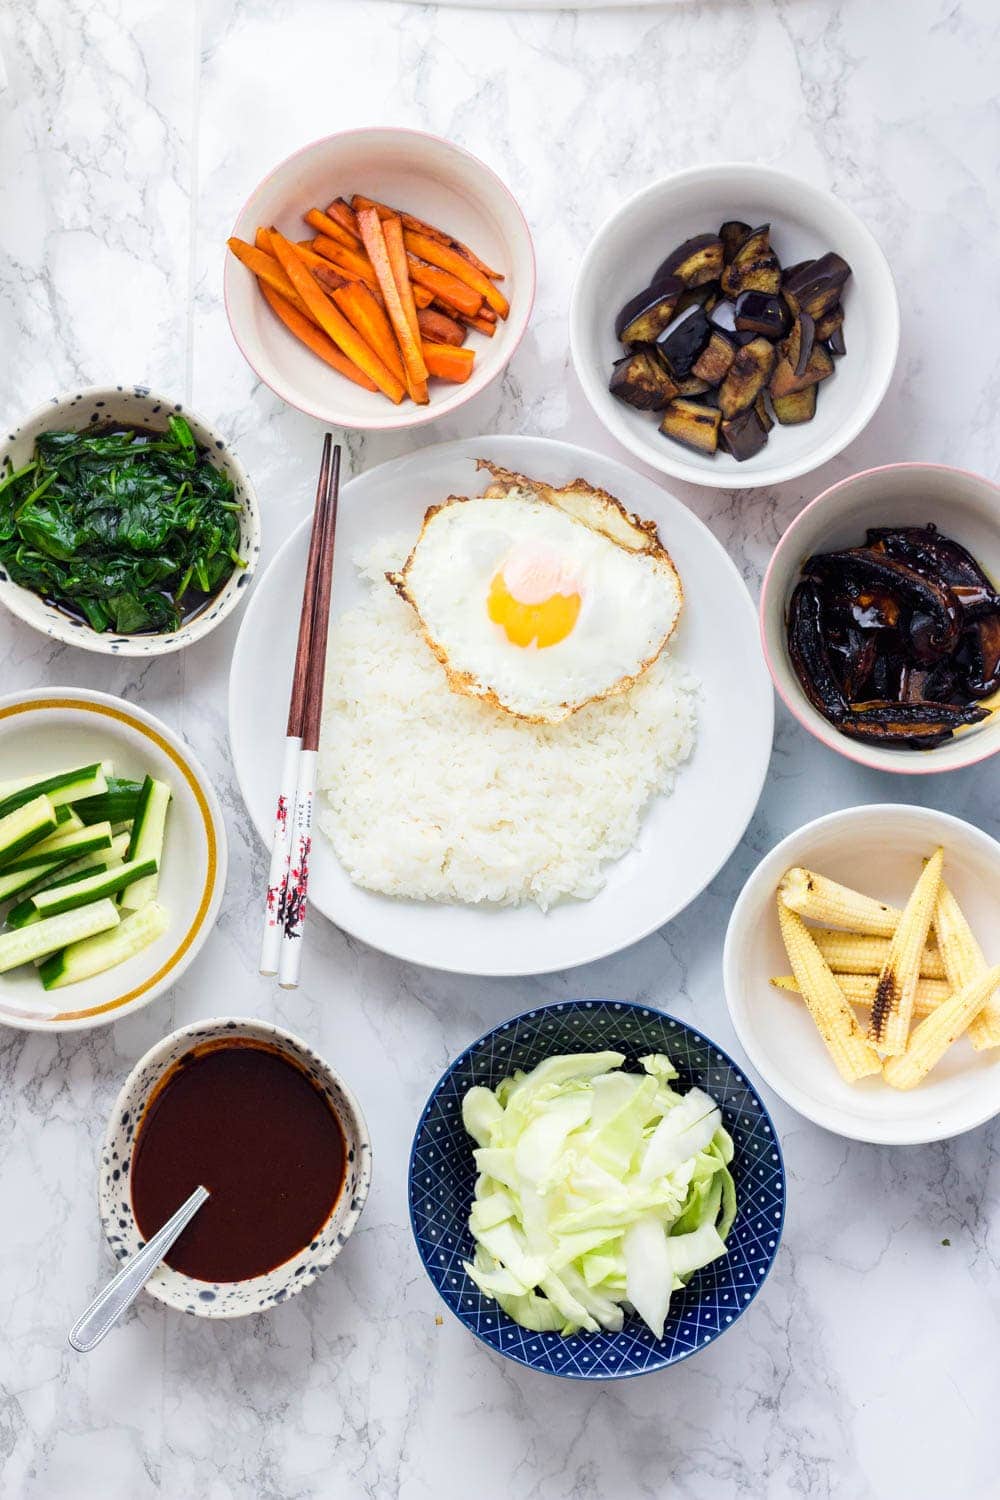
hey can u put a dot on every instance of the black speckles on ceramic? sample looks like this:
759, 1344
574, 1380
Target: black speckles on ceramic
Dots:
134, 404
232, 1299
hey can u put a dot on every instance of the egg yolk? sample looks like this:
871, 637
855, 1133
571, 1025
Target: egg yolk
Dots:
534, 600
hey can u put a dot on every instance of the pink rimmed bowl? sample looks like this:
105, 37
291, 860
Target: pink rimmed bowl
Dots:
963, 506
419, 174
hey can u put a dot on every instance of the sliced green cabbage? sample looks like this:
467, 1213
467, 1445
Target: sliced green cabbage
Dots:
599, 1191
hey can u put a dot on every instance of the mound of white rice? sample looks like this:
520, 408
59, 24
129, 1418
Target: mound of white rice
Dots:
440, 797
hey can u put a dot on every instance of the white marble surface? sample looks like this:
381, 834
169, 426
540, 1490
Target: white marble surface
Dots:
130, 133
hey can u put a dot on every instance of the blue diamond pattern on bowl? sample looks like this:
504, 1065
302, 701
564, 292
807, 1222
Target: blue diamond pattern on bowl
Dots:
442, 1180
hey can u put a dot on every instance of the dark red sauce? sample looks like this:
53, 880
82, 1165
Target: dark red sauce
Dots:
243, 1120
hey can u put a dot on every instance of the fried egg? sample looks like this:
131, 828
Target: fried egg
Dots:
540, 600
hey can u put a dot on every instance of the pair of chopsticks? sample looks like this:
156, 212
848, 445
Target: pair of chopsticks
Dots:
291, 842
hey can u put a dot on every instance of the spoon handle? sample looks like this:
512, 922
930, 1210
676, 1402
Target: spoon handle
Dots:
108, 1306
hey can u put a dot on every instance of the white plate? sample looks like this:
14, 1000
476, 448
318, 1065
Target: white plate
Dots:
52, 729
685, 838
877, 849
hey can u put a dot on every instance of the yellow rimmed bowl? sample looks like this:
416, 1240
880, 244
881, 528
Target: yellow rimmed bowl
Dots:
54, 729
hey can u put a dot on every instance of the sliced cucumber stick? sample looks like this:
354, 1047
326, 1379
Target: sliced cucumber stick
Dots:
147, 841
117, 804
92, 887
92, 955
25, 827
15, 882
64, 895
21, 783
53, 855
97, 859
68, 927
68, 786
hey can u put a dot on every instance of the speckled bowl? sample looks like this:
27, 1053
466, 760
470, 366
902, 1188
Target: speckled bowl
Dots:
231, 1299
443, 1175
134, 405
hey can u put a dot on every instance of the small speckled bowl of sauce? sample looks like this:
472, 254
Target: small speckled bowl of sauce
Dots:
253, 1114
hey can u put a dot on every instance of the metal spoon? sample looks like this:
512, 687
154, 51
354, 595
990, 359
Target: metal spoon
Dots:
108, 1306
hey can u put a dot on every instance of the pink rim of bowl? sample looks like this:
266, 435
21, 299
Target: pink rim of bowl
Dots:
902, 762
407, 415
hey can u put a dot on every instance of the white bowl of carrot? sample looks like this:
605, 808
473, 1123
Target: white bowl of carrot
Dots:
379, 278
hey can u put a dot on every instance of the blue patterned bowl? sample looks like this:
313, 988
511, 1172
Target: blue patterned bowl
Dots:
442, 1180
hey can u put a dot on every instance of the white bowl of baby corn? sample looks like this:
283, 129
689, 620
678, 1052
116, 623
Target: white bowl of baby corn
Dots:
880, 851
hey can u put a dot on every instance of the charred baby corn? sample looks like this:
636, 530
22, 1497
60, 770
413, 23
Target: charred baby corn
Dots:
836, 1022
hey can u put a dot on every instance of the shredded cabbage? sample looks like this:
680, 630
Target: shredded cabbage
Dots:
599, 1191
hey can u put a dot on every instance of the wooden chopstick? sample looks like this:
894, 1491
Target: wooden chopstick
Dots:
281, 836
297, 881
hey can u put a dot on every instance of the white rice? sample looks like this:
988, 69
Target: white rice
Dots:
439, 797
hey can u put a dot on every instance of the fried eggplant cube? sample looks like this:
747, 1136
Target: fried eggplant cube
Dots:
683, 340
784, 380
754, 268
693, 424
816, 289
734, 235
748, 374
714, 360
645, 315
799, 344
796, 407
758, 312
640, 380
696, 261
743, 436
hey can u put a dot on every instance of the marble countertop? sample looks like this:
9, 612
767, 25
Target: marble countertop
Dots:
130, 133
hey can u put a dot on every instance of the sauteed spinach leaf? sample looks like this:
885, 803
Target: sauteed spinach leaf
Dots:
126, 528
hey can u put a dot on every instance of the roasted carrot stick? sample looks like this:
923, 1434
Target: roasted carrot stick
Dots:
392, 229
443, 285
479, 323
323, 224
330, 279
356, 263
449, 260
331, 319
266, 268
359, 307
314, 338
409, 346
343, 214
438, 328
309, 255
449, 363
420, 226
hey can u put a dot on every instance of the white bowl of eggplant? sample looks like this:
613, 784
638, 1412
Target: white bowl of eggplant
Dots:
127, 526
734, 326
880, 618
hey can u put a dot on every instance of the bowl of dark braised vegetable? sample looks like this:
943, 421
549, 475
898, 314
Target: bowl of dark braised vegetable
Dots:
734, 326
126, 525
880, 618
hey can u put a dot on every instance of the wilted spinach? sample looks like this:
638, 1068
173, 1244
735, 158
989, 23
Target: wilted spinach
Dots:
127, 528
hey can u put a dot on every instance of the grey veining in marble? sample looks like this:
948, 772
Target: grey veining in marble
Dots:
130, 133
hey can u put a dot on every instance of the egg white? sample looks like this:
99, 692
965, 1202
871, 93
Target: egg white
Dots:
630, 595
